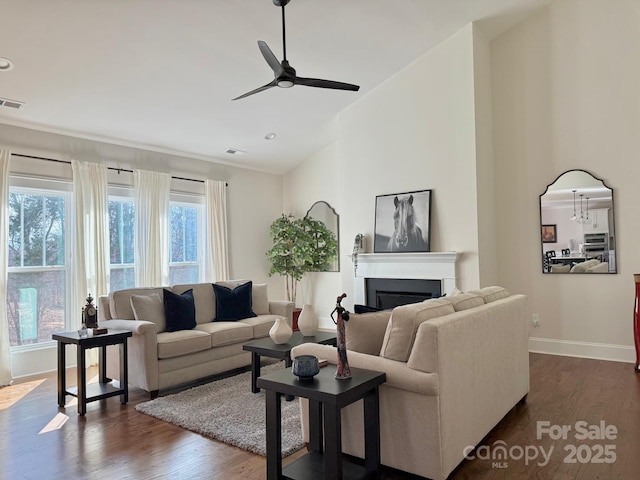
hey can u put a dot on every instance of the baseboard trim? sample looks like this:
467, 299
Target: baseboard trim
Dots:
569, 348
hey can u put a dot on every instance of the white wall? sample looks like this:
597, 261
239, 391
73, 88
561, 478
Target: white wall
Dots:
414, 132
318, 178
254, 199
565, 96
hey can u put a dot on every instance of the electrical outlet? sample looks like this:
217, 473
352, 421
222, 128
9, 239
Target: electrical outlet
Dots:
535, 320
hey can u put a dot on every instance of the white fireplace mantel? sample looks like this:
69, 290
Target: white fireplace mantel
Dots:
425, 266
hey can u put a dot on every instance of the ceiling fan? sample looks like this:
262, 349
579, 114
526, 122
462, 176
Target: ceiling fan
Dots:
285, 74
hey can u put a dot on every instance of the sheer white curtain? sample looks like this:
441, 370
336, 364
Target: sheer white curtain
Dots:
217, 257
91, 238
5, 352
152, 227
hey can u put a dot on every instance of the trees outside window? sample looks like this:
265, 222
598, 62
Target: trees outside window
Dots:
185, 244
121, 243
38, 270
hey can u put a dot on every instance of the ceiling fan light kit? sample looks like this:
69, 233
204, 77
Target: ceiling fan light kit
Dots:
284, 74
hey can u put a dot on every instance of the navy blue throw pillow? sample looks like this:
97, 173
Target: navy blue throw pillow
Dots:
179, 310
233, 304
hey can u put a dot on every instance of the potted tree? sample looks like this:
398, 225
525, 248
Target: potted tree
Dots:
299, 246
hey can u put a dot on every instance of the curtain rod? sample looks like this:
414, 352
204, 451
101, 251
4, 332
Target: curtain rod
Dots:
108, 168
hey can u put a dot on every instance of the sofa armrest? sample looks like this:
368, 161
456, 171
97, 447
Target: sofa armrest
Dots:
135, 326
399, 374
143, 353
282, 308
104, 311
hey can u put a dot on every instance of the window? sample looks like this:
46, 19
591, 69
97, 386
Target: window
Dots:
121, 243
185, 244
38, 273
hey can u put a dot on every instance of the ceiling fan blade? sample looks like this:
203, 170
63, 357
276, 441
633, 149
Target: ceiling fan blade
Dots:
316, 82
271, 59
257, 90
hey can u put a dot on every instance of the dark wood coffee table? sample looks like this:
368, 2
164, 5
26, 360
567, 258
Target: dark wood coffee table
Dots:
327, 396
268, 348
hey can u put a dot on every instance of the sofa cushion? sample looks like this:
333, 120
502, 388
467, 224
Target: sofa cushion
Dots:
365, 331
583, 266
599, 268
120, 301
179, 310
231, 283
226, 333
203, 299
260, 299
404, 322
491, 294
464, 301
183, 342
233, 304
149, 308
260, 324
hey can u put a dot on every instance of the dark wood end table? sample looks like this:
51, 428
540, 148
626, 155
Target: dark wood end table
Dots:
327, 396
89, 393
268, 348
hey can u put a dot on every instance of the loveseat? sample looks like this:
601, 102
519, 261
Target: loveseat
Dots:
187, 332
454, 367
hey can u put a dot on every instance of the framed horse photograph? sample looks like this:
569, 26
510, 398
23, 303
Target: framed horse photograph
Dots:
403, 222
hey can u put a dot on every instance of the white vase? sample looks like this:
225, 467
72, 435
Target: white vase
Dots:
281, 331
307, 321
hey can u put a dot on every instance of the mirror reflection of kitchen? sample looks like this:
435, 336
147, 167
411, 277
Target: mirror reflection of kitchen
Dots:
577, 230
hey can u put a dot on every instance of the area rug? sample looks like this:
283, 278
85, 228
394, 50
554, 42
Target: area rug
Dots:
227, 411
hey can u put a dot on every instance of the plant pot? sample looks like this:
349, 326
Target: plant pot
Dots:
294, 319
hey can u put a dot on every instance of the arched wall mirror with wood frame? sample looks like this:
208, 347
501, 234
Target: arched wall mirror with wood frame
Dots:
326, 214
577, 228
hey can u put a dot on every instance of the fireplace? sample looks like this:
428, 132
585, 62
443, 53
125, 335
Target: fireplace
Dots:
437, 268
386, 293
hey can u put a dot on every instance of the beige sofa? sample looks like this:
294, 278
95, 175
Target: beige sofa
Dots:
454, 367
160, 359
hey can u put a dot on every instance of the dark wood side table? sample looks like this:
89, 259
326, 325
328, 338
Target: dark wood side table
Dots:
89, 393
327, 396
268, 348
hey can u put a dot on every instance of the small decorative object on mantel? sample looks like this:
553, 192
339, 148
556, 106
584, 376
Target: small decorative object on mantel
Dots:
305, 367
343, 371
281, 332
307, 321
358, 247
636, 321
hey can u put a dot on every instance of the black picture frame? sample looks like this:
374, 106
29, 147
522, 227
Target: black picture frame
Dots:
549, 233
413, 208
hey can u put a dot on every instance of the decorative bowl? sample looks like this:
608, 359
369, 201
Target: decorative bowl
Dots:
305, 367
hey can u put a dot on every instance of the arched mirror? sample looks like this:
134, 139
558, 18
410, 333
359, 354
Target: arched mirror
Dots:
325, 213
577, 228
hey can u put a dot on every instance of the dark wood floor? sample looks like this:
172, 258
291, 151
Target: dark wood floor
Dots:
115, 441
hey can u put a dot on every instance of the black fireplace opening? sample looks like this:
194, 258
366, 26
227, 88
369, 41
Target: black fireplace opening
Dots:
386, 293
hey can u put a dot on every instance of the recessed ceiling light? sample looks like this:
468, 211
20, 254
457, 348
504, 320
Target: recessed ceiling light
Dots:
270, 136
5, 64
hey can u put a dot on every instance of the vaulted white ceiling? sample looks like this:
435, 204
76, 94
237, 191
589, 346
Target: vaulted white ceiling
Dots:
160, 74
